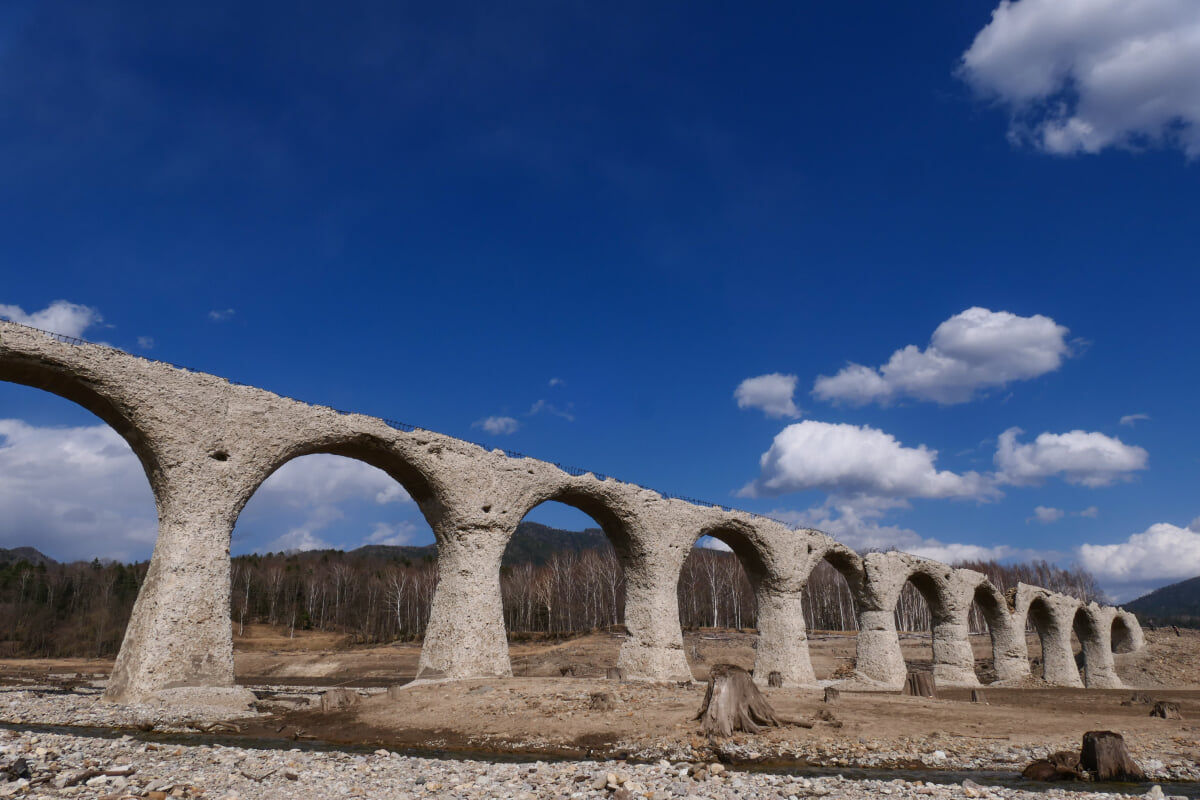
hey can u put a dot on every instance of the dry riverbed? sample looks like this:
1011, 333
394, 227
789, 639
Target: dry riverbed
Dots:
582, 726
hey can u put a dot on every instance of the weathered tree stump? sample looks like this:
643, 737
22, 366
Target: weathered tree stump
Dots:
977, 696
395, 692
1104, 755
831, 694
614, 674
1164, 710
775, 680
568, 670
734, 703
920, 684
333, 699
1138, 699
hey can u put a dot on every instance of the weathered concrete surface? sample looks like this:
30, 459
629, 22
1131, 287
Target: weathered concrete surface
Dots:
207, 445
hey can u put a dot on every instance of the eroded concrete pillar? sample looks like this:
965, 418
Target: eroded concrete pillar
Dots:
1095, 639
1009, 651
465, 637
179, 641
1058, 662
953, 658
878, 658
782, 639
653, 650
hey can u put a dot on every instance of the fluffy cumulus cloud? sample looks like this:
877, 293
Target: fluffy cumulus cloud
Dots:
1046, 515
497, 426
325, 480
1079, 457
854, 461
972, 351
858, 526
69, 319
1079, 76
74, 493
770, 393
1161, 554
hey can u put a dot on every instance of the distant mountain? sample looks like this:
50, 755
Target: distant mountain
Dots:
19, 554
532, 543
1177, 604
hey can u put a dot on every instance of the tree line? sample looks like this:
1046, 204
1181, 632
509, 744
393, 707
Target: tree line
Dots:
81, 609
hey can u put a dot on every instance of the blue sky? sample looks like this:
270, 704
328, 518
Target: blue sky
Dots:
919, 276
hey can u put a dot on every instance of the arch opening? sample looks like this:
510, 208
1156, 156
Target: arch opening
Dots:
918, 607
1039, 624
986, 619
562, 575
1123, 640
1083, 634
831, 616
718, 603
77, 506
332, 545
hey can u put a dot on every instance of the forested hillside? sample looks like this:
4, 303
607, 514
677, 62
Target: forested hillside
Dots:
1177, 604
552, 582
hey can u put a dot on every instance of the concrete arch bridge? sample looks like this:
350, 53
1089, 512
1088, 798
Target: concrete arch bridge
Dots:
207, 444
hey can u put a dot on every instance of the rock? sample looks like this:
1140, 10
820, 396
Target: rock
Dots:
1155, 793
972, 789
602, 701
1104, 755
1164, 710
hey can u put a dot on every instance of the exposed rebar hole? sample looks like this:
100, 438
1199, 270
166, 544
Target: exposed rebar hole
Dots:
487, 508
219, 455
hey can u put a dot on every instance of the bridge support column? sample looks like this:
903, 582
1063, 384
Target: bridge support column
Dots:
1010, 654
1095, 638
782, 639
1058, 662
878, 658
654, 649
465, 637
953, 658
179, 642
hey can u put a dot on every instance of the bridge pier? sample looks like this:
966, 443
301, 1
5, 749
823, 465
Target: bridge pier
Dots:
878, 658
653, 650
465, 637
782, 639
179, 641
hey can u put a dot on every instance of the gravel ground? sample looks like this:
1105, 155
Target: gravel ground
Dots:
37, 763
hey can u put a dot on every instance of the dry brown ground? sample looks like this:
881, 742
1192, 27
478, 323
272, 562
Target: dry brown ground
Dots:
540, 709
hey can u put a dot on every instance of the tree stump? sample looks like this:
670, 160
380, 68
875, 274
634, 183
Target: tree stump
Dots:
333, 699
775, 680
919, 684
1060, 766
1164, 710
1104, 755
978, 697
614, 674
734, 703
831, 694
602, 701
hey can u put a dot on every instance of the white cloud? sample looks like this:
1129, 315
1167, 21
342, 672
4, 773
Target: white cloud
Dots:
771, 393
1131, 419
1082, 458
1161, 554
1091, 512
146, 342
713, 543
859, 528
543, 407
395, 535
297, 540
852, 461
971, 351
556, 382
1046, 515
325, 480
68, 319
74, 493
497, 426
1079, 76
220, 315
